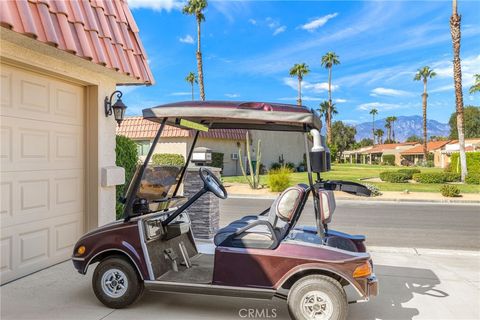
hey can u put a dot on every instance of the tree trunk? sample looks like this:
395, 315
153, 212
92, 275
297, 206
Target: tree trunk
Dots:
329, 112
424, 103
199, 62
299, 100
393, 131
455, 31
193, 97
373, 128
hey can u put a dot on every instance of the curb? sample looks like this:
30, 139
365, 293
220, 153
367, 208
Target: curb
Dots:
423, 251
365, 199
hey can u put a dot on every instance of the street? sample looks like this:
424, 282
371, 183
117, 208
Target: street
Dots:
389, 224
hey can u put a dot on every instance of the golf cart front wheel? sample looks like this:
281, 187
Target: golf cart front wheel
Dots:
116, 283
317, 297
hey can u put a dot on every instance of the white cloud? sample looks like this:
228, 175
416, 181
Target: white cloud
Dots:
157, 5
470, 66
339, 100
232, 95
318, 22
379, 105
279, 30
389, 92
187, 39
252, 21
315, 87
182, 93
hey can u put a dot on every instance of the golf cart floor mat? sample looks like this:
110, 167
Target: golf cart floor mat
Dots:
201, 271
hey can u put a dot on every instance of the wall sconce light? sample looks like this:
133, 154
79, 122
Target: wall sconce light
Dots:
117, 109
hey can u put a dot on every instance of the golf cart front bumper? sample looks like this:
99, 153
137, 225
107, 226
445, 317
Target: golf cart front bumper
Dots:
369, 287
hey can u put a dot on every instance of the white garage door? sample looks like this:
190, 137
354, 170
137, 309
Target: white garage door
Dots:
42, 170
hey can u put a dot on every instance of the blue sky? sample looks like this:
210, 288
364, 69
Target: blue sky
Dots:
249, 46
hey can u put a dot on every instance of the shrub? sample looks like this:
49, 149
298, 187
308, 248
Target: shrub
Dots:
127, 158
374, 189
448, 190
409, 172
217, 160
279, 179
389, 159
473, 178
290, 165
473, 162
168, 159
393, 176
430, 177
275, 166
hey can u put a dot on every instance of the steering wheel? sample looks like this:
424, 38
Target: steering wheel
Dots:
212, 183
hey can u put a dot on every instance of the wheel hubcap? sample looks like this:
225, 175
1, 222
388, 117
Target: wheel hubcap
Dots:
114, 283
316, 305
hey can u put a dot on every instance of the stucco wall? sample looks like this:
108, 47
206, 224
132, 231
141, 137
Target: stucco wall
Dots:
100, 131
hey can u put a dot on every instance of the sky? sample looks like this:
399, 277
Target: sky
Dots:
248, 48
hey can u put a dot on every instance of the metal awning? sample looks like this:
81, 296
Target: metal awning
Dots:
237, 115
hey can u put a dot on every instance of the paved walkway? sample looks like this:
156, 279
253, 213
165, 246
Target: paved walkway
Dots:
429, 285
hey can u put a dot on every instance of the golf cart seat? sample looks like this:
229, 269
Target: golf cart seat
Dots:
264, 232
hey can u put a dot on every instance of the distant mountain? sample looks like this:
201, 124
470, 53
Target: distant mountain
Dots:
405, 126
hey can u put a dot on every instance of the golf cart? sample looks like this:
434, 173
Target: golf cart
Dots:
258, 256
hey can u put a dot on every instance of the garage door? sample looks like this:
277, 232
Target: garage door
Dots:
42, 170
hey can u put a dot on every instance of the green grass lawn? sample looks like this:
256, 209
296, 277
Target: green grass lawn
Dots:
351, 172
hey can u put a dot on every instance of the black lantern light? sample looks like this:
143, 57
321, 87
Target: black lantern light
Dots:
118, 108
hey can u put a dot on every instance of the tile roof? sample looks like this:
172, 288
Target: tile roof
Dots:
101, 31
431, 146
138, 128
380, 148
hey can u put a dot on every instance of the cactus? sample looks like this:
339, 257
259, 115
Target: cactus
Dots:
254, 179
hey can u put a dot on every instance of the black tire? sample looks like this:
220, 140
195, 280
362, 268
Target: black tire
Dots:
322, 287
113, 268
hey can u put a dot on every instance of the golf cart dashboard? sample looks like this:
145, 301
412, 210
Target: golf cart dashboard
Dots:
154, 228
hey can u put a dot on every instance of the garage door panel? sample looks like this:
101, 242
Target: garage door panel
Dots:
42, 156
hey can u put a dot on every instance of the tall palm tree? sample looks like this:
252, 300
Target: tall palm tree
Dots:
192, 79
455, 21
299, 70
476, 86
324, 110
379, 133
195, 8
423, 74
329, 60
373, 112
393, 119
388, 126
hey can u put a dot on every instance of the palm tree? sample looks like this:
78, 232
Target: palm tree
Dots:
328, 61
379, 133
373, 112
393, 119
455, 21
192, 79
424, 74
388, 126
476, 86
196, 7
299, 70
324, 110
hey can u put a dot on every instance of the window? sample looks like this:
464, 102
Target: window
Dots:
142, 147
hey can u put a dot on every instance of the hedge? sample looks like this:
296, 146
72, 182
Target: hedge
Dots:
473, 162
168, 159
409, 172
217, 160
389, 159
448, 190
473, 178
430, 177
126, 157
393, 176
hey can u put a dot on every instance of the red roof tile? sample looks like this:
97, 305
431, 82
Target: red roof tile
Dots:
431, 146
101, 31
380, 148
138, 128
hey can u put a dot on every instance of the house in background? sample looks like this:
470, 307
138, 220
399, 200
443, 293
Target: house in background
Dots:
415, 154
447, 150
59, 60
374, 154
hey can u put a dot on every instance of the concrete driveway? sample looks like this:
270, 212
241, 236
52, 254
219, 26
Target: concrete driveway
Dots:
429, 285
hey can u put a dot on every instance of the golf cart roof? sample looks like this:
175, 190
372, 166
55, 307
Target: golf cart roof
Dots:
237, 115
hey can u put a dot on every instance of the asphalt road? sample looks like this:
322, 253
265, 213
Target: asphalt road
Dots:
389, 224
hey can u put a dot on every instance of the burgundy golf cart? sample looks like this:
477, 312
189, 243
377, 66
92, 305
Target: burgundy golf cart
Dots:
263, 255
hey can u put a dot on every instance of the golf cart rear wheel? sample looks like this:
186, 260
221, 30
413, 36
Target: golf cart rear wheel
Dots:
317, 297
116, 283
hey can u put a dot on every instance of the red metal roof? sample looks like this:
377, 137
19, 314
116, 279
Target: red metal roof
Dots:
138, 128
431, 146
101, 31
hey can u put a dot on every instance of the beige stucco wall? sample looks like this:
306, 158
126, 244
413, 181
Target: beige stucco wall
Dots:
24, 52
274, 144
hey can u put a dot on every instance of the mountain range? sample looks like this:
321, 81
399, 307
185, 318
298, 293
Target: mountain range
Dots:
405, 126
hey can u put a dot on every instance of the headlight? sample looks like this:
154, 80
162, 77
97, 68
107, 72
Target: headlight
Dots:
81, 250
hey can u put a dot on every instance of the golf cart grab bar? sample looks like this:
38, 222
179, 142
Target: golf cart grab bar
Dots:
345, 186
